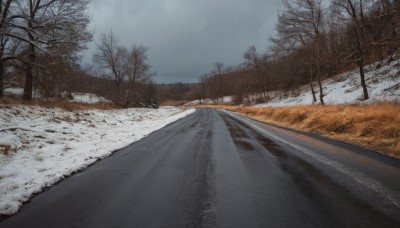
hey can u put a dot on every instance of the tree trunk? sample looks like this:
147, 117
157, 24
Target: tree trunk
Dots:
312, 88
29, 74
27, 96
321, 92
1, 79
360, 62
363, 84
131, 88
117, 96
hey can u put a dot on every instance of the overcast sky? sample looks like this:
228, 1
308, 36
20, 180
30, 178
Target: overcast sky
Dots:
186, 37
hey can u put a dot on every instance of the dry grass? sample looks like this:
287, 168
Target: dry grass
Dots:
6, 149
375, 126
63, 104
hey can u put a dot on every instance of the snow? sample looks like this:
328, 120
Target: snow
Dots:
14, 91
51, 144
225, 100
88, 98
383, 85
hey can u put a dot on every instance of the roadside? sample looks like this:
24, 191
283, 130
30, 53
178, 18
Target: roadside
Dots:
376, 126
217, 169
41, 145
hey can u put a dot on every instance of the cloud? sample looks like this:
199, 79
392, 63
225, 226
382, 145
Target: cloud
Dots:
186, 37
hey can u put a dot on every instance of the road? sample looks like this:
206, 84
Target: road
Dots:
215, 169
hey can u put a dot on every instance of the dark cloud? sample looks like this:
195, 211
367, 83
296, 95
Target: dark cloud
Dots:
186, 37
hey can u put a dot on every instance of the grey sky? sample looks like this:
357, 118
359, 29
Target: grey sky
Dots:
186, 37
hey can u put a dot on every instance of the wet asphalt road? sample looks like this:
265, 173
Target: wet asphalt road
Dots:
215, 169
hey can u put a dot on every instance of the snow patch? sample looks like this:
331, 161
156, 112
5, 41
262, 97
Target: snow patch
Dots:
88, 98
14, 91
383, 85
224, 100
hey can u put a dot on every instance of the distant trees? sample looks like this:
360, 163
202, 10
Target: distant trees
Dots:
177, 93
129, 70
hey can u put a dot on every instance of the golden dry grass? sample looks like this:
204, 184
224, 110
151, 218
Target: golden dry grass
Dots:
375, 126
62, 104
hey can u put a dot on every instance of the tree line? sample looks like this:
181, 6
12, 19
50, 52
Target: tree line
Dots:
314, 40
41, 42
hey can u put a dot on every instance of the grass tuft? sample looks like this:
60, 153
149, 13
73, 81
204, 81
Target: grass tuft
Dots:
6, 149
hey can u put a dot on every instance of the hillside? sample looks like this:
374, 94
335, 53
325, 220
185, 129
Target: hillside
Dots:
383, 85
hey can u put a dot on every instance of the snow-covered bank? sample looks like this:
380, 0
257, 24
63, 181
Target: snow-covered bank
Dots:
45, 145
383, 85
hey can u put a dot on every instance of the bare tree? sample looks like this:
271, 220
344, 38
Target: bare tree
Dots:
44, 23
112, 58
353, 12
218, 67
138, 69
300, 27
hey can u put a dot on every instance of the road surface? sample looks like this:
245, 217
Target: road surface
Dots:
215, 169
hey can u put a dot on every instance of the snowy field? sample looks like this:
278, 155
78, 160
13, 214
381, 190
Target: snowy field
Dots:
46, 145
383, 85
